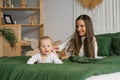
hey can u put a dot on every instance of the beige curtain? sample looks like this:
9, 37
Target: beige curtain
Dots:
105, 17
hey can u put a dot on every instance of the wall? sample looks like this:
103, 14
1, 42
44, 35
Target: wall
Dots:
105, 16
58, 18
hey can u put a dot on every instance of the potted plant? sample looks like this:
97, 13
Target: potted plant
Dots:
9, 36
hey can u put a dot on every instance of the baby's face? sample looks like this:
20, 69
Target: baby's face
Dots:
46, 46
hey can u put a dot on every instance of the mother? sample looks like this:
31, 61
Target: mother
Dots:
82, 42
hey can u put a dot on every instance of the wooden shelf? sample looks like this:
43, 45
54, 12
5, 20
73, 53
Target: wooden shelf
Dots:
25, 43
20, 8
37, 10
28, 25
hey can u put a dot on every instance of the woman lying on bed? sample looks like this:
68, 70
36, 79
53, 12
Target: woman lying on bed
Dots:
82, 42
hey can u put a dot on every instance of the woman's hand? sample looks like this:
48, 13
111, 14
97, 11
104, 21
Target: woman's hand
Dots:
56, 48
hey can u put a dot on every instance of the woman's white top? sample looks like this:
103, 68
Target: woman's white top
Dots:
52, 58
81, 54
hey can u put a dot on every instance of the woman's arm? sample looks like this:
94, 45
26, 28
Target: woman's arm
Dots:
96, 49
60, 49
62, 46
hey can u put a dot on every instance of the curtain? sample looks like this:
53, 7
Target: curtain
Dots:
105, 16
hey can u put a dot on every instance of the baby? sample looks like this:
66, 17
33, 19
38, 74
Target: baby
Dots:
46, 55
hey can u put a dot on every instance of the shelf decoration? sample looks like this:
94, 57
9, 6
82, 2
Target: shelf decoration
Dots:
8, 19
1, 3
8, 3
4, 4
90, 4
32, 19
23, 3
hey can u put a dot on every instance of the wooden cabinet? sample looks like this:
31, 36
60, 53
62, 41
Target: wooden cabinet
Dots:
5, 48
7, 6
22, 7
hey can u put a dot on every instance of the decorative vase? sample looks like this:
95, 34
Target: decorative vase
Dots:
23, 3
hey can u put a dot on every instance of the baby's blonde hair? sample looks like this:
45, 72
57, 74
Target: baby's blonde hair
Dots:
44, 38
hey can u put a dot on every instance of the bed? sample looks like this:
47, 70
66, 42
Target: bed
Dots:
15, 68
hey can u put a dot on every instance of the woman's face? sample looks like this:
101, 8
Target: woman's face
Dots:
81, 28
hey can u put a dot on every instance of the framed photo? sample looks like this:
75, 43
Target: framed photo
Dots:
8, 19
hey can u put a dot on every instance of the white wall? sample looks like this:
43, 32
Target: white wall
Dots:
105, 17
60, 15
58, 18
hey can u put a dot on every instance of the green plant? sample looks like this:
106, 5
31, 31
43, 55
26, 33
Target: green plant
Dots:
9, 35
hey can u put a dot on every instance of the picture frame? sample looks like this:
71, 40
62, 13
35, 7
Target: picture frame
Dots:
8, 19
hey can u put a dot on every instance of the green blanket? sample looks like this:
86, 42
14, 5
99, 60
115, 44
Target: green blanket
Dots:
15, 68
83, 59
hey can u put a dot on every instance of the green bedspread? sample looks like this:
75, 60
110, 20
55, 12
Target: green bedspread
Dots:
15, 68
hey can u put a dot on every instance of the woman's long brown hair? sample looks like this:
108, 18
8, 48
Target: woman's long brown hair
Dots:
75, 43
